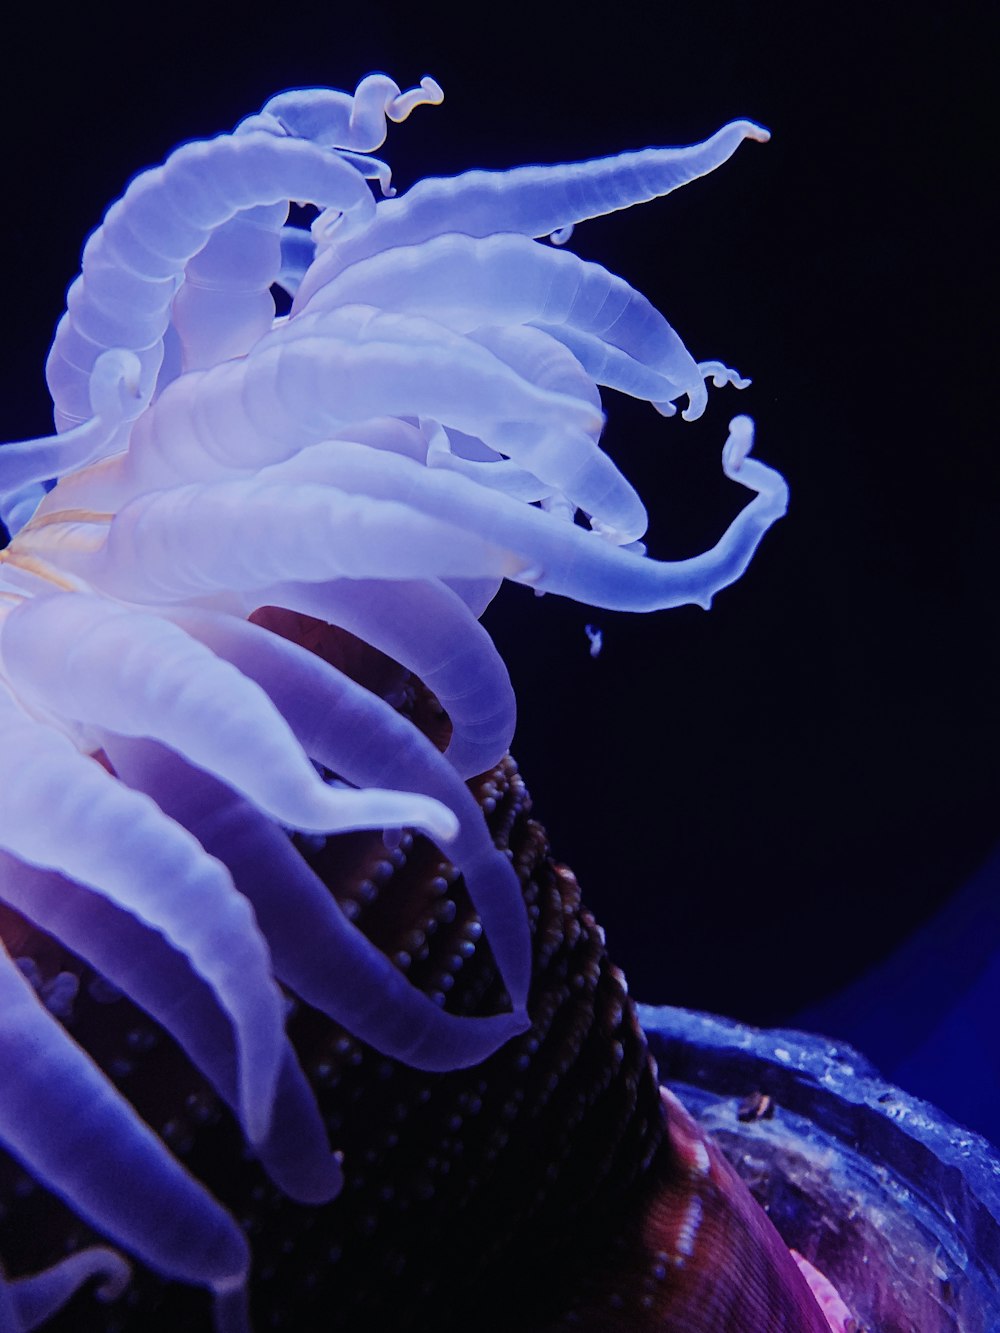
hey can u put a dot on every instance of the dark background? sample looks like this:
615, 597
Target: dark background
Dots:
762, 802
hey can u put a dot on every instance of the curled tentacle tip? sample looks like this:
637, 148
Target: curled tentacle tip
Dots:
428, 93
433, 90
721, 375
751, 130
738, 444
697, 396
115, 383
116, 1274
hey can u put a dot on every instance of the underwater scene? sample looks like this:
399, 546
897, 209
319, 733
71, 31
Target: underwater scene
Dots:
497, 676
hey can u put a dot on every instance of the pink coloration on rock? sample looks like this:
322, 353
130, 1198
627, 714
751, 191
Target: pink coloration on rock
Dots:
837, 1314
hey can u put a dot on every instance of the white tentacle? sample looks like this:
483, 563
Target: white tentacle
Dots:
423, 425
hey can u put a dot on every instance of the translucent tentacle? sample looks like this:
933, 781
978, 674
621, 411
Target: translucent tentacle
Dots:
465, 281
310, 377
501, 475
295, 1153
95, 830
114, 394
344, 120
357, 735
393, 436
721, 375
248, 414
427, 628
135, 261
109, 484
422, 624
225, 304
317, 951
92, 1150
30, 1301
561, 557
540, 358
551, 365
298, 250
92, 661
533, 201
169, 546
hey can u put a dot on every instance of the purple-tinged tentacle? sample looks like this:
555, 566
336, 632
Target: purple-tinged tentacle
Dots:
215, 211
310, 377
427, 628
354, 121
421, 623
540, 358
240, 536
533, 201
27, 1302
88, 660
135, 261
465, 282
114, 393
555, 556
92, 1150
298, 250
295, 1153
544, 362
224, 304
362, 739
109, 838
317, 952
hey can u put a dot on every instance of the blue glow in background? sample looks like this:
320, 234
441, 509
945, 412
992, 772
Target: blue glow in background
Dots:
784, 810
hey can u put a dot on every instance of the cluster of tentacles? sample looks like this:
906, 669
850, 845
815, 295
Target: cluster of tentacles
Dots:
424, 424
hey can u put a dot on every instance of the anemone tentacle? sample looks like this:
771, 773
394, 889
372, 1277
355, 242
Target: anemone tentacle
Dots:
196, 242
507, 279
93, 1150
104, 835
341, 973
141, 964
424, 425
136, 674
135, 262
28, 1302
428, 628
533, 201
353, 732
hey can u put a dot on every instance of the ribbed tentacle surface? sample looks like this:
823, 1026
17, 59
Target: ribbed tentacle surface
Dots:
532, 201
221, 1009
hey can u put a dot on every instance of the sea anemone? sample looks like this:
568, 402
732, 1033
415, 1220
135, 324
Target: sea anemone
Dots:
424, 423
